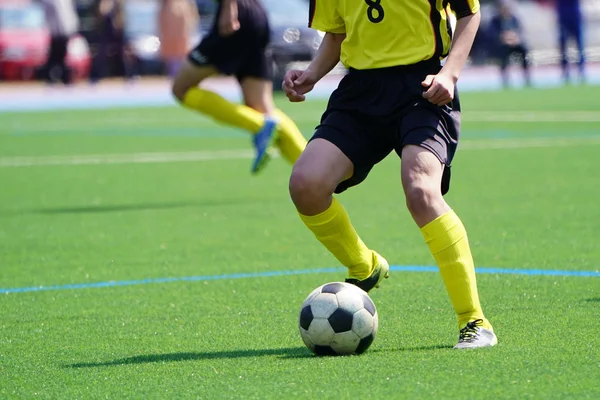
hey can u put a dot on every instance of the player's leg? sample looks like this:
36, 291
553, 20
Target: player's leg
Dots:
258, 94
51, 60
523, 52
504, 57
327, 165
579, 40
562, 44
185, 89
65, 71
427, 150
255, 76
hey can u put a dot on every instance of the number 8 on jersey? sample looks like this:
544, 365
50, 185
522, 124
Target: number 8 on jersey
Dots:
375, 11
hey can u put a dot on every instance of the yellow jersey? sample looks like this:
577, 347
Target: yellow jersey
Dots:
386, 33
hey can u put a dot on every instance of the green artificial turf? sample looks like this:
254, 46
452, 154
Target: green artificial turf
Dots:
525, 182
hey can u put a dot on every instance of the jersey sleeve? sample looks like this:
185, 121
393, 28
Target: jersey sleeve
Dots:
323, 16
464, 8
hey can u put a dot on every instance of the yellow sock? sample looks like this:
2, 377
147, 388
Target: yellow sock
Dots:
290, 141
447, 240
335, 231
217, 107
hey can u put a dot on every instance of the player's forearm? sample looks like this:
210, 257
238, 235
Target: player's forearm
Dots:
464, 35
328, 55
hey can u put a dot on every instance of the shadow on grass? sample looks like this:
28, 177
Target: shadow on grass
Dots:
593, 300
284, 353
108, 208
424, 348
292, 352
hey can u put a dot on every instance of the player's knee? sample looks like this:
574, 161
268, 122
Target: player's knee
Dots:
259, 105
178, 91
306, 185
421, 196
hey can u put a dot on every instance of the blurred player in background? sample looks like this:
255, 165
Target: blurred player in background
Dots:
507, 34
63, 23
570, 26
112, 47
238, 45
396, 96
177, 21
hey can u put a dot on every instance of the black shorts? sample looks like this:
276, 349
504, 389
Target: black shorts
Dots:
245, 53
373, 112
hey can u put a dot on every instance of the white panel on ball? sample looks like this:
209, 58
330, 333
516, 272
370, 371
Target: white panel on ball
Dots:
348, 300
320, 332
364, 324
323, 305
345, 342
311, 296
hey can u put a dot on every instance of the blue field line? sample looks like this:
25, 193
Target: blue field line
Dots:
402, 268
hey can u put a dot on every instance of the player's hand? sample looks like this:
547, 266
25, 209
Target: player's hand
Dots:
228, 23
440, 89
297, 83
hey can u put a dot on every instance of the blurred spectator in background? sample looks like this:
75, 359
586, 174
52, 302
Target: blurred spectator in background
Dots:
178, 19
507, 35
111, 41
570, 26
63, 23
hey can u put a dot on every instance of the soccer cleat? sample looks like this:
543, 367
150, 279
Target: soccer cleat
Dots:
381, 271
473, 336
262, 141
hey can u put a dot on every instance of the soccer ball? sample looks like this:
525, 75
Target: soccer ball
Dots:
338, 319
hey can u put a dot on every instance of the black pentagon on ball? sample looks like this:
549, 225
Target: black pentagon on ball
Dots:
333, 288
341, 320
369, 305
306, 317
364, 344
324, 351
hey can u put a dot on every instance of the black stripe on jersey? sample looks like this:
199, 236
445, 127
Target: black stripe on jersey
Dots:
312, 6
448, 26
462, 8
435, 18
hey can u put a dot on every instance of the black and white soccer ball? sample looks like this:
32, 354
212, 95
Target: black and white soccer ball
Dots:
338, 319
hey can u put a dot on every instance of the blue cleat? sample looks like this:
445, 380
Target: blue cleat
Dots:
262, 141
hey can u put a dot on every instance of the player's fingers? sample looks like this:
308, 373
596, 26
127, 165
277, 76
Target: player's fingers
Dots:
296, 98
443, 97
290, 77
428, 80
439, 101
289, 92
431, 92
301, 79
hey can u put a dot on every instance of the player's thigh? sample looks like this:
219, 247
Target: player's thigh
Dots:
420, 169
320, 168
258, 93
190, 75
363, 141
427, 143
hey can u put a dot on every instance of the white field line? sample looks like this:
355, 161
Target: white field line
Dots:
56, 124
531, 116
133, 158
196, 156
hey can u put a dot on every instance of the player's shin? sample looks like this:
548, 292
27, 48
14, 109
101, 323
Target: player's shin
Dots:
334, 230
222, 110
447, 240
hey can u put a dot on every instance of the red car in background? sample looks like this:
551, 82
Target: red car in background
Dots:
25, 40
